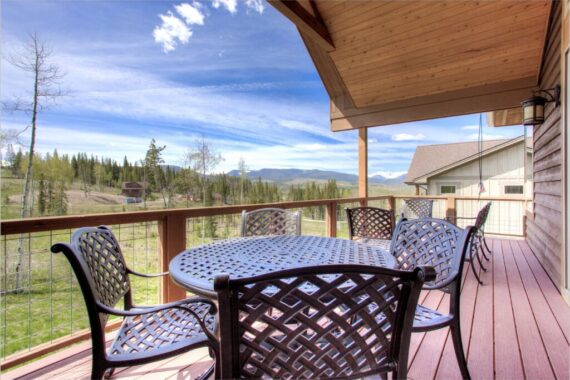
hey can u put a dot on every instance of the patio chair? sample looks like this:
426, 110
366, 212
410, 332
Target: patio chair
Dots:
275, 326
478, 242
370, 225
443, 246
270, 221
416, 208
147, 333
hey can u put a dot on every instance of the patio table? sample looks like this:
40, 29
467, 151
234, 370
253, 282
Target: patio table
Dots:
195, 268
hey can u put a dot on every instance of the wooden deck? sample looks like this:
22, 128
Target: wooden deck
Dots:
515, 326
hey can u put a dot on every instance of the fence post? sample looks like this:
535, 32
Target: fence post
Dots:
392, 206
450, 209
172, 241
330, 218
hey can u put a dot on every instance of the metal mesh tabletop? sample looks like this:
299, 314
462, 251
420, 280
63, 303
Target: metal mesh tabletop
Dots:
195, 268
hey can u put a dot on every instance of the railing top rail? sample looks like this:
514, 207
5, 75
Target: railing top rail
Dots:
17, 226
464, 198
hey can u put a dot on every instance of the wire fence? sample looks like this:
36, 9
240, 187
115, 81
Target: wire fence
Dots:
40, 297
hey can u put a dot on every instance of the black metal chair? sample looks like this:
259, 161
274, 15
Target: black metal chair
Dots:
416, 208
352, 321
148, 333
270, 221
370, 225
478, 242
443, 246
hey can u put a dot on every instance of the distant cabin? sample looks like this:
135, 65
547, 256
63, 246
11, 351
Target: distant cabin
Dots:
133, 189
453, 169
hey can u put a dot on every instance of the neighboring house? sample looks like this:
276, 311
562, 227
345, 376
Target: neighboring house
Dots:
453, 169
133, 189
445, 169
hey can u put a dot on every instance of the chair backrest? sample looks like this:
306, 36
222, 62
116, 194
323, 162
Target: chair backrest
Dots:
482, 216
417, 208
270, 221
433, 242
370, 222
336, 321
96, 258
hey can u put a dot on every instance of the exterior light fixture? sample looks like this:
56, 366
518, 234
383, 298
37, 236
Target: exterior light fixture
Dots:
533, 107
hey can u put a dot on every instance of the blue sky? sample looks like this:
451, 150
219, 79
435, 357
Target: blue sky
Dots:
233, 70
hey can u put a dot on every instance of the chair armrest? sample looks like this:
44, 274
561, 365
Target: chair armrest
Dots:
172, 305
151, 275
445, 283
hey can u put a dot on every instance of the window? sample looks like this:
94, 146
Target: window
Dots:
512, 189
447, 189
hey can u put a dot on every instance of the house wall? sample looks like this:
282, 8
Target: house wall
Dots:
544, 226
502, 168
566, 117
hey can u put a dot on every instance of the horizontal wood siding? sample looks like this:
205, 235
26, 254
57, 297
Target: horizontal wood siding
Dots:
544, 229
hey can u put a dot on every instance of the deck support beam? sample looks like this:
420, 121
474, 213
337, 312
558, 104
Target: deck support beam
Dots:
363, 164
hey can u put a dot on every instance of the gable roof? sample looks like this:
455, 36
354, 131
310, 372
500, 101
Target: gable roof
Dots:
429, 159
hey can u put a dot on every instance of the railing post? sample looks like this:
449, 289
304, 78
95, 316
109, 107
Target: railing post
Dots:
330, 217
450, 209
392, 206
172, 241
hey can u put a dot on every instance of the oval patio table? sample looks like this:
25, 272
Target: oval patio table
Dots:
195, 268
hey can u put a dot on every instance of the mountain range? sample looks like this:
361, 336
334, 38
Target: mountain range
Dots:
289, 175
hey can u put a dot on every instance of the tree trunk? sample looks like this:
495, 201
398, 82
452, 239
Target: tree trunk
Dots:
24, 211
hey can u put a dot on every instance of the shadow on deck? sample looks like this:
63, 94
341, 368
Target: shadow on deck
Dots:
514, 326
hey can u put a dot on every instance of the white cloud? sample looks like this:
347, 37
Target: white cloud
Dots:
256, 5
230, 5
408, 137
388, 174
470, 127
191, 13
171, 29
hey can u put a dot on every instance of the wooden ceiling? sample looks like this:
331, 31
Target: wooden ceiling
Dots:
386, 62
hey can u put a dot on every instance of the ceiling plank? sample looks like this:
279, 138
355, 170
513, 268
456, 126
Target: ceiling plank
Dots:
312, 25
504, 118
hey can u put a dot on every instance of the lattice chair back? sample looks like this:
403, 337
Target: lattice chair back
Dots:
338, 321
417, 208
270, 221
482, 216
370, 222
98, 263
433, 242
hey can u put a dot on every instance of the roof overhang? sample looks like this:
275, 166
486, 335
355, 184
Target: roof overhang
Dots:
385, 62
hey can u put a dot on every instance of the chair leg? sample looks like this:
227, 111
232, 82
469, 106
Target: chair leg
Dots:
478, 249
97, 371
472, 264
486, 246
455, 329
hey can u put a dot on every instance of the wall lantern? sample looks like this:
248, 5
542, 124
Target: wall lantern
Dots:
533, 107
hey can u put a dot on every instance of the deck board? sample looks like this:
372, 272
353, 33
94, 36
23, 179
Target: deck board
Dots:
508, 363
535, 360
516, 325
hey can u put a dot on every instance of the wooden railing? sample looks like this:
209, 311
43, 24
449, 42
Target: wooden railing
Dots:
172, 236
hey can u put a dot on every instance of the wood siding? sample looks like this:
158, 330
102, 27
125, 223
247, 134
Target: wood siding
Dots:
544, 228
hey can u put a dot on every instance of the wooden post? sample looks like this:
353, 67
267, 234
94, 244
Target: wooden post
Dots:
417, 189
363, 164
450, 209
172, 241
330, 218
392, 206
